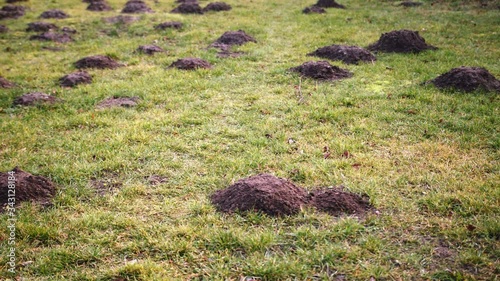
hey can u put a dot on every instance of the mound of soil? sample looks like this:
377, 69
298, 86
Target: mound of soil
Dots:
186, 1
468, 79
169, 24
337, 202
314, 10
54, 14
410, 4
3, 29
12, 12
118, 101
100, 62
99, 6
41, 26
401, 41
52, 36
190, 64
27, 187
346, 54
321, 70
14, 1
75, 78
217, 7
35, 98
5, 84
230, 38
329, 4
265, 193
68, 30
120, 19
136, 7
149, 49
188, 8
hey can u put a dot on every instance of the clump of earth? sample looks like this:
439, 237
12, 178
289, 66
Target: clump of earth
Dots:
468, 79
190, 64
3, 29
150, 49
54, 14
346, 54
188, 8
169, 24
329, 4
409, 4
314, 10
41, 26
75, 78
52, 36
136, 7
100, 62
118, 102
321, 70
14, 1
232, 38
337, 202
401, 41
28, 187
5, 84
99, 6
217, 7
12, 12
31, 99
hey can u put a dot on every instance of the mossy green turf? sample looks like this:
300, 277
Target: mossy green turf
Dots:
429, 159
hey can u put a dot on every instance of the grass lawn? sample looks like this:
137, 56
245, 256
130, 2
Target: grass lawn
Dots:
429, 159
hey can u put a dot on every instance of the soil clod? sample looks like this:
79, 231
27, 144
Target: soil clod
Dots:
136, 7
54, 14
217, 7
28, 187
99, 6
52, 36
190, 64
31, 99
337, 202
12, 12
41, 26
169, 24
321, 70
314, 10
231, 38
118, 102
188, 8
100, 62
3, 29
75, 78
410, 4
149, 49
401, 41
329, 4
468, 79
5, 84
346, 54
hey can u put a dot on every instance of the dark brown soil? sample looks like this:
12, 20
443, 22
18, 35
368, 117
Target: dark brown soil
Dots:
321, 70
99, 6
314, 10
52, 36
346, 54
217, 7
169, 24
136, 7
337, 202
54, 14
41, 26
186, 1
34, 98
5, 84
27, 188
107, 184
14, 1
100, 62
75, 78
401, 41
231, 38
188, 8
121, 19
118, 101
190, 64
3, 29
149, 49
468, 79
12, 12
410, 4
329, 4
264, 193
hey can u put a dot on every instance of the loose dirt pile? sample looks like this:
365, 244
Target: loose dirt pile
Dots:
314, 10
468, 79
186, 1
52, 36
217, 7
149, 49
188, 8
136, 7
321, 70
41, 26
279, 197
99, 6
346, 54
3, 29
27, 188
190, 64
231, 38
121, 19
54, 14
169, 24
75, 78
35, 98
5, 84
329, 4
12, 12
100, 62
401, 41
410, 4
118, 101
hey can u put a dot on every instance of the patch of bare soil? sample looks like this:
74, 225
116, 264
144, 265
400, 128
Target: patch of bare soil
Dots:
107, 184
149, 49
321, 70
156, 179
3, 29
401, 41
118, 102
12, 12
14, 1
54, 14
41, 26
190, 64
169, 24
346, 54
5, 84
329, 4
217, 7
99, 6
314, 10
75, 78
410, 4
188, 8
28, 187
100, 62
232, 38
121, 19
468, 79
34, 98
52, 36
136, 7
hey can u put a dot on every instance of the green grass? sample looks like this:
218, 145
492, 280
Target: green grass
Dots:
429, 159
